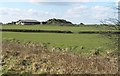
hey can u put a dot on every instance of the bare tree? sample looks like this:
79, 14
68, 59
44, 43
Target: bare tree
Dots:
113, 22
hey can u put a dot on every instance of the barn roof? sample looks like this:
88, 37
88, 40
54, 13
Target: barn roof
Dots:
28, 20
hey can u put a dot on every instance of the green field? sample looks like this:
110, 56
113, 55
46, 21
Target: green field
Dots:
55, 27
87, 41
75, 42
26, 48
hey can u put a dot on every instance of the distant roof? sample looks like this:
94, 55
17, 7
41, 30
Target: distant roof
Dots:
29, 20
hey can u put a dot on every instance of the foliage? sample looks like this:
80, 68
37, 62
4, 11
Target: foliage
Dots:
58, 22
39, 60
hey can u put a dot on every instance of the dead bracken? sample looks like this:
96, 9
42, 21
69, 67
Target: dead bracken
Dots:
34, 58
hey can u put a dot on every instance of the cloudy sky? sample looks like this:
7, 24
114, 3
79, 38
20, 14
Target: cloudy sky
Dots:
76, 11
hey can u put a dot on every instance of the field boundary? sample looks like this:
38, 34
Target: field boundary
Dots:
34, 31
59, 31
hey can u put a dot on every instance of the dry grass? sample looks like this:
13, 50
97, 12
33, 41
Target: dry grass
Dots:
33, 58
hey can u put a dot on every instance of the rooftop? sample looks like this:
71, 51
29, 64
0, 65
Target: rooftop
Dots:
28, 20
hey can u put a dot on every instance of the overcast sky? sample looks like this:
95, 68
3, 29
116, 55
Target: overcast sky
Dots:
76, 11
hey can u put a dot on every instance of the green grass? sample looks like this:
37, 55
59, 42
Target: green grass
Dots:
55, 27
74, 41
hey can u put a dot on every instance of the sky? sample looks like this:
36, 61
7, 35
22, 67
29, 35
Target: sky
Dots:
75, 11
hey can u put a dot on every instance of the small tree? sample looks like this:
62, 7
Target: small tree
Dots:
81, 23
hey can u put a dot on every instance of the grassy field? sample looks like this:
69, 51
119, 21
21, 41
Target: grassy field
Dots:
55, 27
45, 53
77, 42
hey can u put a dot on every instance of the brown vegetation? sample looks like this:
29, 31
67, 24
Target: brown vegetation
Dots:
34, 58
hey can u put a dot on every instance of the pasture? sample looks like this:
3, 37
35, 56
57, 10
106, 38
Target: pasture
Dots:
32, 52
76, 42
83, 43
63, 28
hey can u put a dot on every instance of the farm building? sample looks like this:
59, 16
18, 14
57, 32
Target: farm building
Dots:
27, 22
